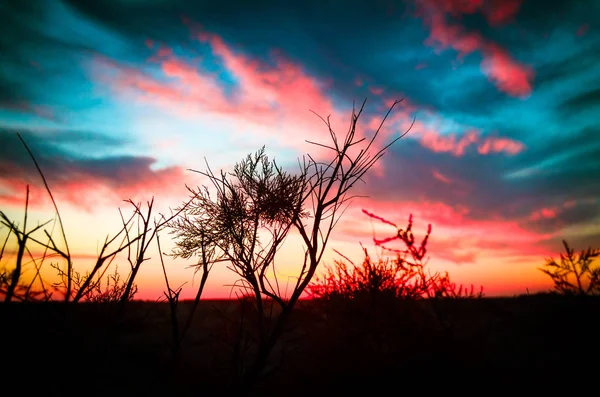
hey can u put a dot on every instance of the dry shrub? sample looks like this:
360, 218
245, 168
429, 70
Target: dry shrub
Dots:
575, 273
403, 276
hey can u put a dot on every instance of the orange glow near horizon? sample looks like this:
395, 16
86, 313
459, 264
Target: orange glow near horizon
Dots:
500, 275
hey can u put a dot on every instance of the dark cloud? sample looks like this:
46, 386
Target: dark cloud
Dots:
76, 177
577, 215
410, 168
540, 14
584, 100
562, 166
53, 144
486, 191
331, 40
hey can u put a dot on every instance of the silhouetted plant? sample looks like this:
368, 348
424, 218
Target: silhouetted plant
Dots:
441, 292
433, 285
109, 291
443, 287
208, 254
237, 332
72, 284
389, 279
87, 286
66, 253
172, 296
444, 295
9, 281
400, 277
145, 234
575, 273
259, 199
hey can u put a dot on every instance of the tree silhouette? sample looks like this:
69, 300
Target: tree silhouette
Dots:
254, 209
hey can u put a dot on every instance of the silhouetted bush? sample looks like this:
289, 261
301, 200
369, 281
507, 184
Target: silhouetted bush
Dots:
109, 291
574, 274
391, 277
259, 199
75, 286
401, 277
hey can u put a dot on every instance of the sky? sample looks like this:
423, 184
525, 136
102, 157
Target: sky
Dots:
119, 99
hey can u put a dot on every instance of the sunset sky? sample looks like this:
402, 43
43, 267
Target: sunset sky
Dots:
118, 98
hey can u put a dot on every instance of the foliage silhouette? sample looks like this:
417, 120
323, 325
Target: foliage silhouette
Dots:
403, 276
259, 199
376, 287
9, 281
72, 284
113, 289
574, 274
66, 253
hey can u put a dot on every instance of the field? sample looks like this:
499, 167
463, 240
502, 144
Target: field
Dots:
469, 345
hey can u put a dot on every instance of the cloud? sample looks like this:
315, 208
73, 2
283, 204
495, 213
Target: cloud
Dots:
582, 30
376, 90
275, 94
469, 192
509, 76
441, 177
499, 12
448, 143
24, 107
446, 31
457, 143
456, 235
498, 145
586, 99
82, 181
566, 216
547, 213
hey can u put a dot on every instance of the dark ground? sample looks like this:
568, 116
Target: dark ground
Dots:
527, 344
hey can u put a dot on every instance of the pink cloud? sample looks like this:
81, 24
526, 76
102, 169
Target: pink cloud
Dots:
544, 213
453, 143
507, 74
441, 177
164, 52
458, 7
448, 143
454, 232
376, 90
499, 12
497, 145
278, 96
85, 189
548, 213
435, 212
452, 36
554, 211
